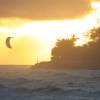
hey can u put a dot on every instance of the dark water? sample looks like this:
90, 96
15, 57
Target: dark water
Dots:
27, 84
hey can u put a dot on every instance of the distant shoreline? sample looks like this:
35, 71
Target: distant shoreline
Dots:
46, 65
50, 65
15, 66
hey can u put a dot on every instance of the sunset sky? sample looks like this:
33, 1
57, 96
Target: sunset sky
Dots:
36, 24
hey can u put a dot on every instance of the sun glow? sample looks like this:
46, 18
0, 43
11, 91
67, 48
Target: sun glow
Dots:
96, 5
49, 31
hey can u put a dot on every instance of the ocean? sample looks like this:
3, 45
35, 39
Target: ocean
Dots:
24, 83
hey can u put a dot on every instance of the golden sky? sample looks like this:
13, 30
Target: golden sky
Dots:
36, 24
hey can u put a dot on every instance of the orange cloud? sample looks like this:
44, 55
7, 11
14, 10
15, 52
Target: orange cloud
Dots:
44, 9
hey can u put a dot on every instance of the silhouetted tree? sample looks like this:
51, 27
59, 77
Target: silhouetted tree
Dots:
89, 54
66, 55
94, 33
64, 49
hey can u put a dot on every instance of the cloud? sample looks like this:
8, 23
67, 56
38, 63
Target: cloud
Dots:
97, 0
45, 9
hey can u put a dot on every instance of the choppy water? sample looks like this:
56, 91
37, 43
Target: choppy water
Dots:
27, 84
